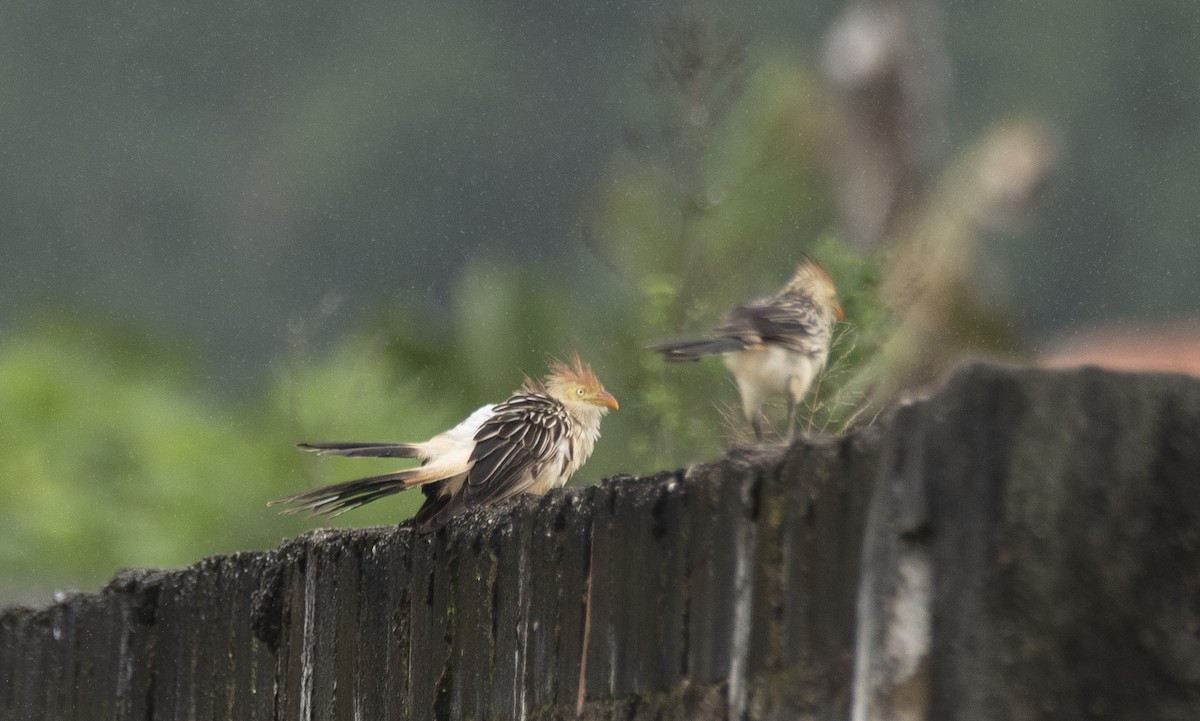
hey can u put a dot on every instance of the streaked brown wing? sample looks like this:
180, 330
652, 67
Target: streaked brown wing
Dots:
512, 447
789, 320
743, 322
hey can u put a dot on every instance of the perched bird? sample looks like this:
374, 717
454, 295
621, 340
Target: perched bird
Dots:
773, 344
530, 443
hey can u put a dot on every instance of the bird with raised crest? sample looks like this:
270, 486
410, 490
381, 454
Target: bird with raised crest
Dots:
774, 344
530, 443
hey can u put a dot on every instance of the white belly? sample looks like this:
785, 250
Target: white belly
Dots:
769, 369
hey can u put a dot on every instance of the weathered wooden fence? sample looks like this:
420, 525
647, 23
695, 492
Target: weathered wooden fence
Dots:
1025, 545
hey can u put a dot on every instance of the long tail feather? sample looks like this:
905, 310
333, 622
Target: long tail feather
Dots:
689, 350
375, 450
340, 497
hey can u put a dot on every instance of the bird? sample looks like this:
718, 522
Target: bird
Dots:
530, 443
773, 344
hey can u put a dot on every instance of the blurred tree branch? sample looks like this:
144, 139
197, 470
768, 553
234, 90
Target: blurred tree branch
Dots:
887, 64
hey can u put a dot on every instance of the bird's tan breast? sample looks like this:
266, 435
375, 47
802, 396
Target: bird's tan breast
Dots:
573, 451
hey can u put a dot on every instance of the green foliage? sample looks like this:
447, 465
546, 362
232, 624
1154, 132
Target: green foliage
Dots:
114, 454
111, 455
834, 402
718, 211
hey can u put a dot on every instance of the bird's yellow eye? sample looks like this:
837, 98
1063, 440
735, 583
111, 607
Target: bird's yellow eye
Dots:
579, 391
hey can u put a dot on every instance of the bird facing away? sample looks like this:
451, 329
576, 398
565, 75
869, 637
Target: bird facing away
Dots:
773, 344
530, 443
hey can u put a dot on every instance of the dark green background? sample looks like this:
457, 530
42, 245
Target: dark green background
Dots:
229, 226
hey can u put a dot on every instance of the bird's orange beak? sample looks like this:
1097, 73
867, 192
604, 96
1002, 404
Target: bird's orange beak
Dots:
837, 310
606, 399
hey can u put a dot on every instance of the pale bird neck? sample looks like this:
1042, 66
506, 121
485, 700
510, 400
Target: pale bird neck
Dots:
587, 415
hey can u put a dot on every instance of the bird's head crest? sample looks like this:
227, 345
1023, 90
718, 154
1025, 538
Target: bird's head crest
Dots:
574, 372
814, 281
566, 380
